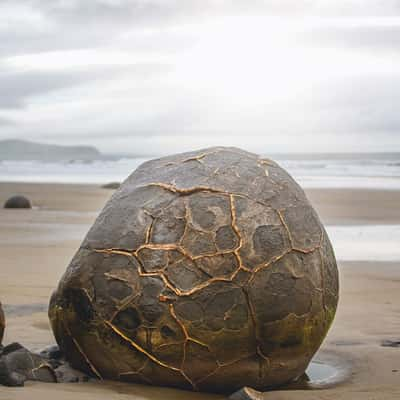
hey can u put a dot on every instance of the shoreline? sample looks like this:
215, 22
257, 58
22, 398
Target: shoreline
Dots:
335, 206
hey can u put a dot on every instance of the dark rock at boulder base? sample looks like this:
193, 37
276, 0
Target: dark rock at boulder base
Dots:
51, 352
66, 374
207, 270
18, 202
18, 365
2, 323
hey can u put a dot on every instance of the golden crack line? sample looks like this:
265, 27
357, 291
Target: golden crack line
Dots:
227, 364
187, 339
155, 246
174, 189
213, 372
110, 275
222, 365
203, 270
262, 164
262, 355
146, 353
184, 330
253, 318
166, 282
139, 348
203, 285
234, 274
269, 263
113, 251
174, 316
215, 254
186, 218
235, 228
304, 251
88, 295
123, 305
234, 222
254, 321
323, 281
280, 216
157, 273
91, 366
161, 346
161, 275
137, 372
149, 230
198, 158
80, 350
252, 315
206, 189
265, 161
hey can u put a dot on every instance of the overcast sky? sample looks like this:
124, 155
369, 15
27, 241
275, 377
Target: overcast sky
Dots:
157, 76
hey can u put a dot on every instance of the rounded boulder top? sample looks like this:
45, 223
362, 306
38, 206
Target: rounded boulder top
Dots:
18, 202
207, 270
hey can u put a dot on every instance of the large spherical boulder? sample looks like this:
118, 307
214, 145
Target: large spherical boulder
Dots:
207, 270
18, 202
2, 324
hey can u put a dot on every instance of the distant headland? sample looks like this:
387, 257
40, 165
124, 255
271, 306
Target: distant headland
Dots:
14, 149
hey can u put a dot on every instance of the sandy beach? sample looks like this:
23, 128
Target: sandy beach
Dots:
36, 246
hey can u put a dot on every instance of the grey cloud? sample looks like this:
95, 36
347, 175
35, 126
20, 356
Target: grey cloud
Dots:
152, 10
85, 24
6, 122
366, 104
358, 37
19, 86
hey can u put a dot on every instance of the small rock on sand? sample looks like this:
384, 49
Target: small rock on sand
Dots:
18, 365
18, 202
111, 185
390, 343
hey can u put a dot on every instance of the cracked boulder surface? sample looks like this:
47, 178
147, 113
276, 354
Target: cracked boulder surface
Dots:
207, 271
2, 324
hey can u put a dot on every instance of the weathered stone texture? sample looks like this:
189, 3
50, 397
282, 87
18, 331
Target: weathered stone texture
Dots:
207, 270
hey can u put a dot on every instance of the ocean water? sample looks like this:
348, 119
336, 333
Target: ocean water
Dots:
372, 171
365, 242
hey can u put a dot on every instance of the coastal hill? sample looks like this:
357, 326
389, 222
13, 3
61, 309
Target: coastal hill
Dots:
14, 149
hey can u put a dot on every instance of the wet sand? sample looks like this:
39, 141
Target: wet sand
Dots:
36, 246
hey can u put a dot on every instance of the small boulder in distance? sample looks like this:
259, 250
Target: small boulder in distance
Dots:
111, 185
18, 202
